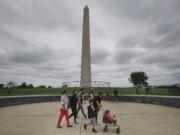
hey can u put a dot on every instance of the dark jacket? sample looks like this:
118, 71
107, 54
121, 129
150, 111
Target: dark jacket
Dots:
95, 100
73, 101
91, 112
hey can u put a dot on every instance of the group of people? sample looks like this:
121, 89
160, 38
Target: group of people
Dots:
76, 103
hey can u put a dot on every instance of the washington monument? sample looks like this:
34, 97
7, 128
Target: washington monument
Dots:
86, 54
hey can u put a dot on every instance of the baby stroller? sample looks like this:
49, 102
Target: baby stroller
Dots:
108, 123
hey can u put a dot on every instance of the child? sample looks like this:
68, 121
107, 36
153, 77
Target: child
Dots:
91, 116
110, 119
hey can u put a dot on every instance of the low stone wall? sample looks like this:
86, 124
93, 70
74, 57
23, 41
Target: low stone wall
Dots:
18, 100
173, 101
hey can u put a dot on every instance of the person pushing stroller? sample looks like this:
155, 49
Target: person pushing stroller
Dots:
91, 116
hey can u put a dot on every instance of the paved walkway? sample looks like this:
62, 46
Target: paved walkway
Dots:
134, 119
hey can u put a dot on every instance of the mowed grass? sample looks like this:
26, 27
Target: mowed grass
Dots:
58, 91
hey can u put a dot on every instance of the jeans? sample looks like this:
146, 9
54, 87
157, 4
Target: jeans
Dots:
80, 107
96, 114
74, 113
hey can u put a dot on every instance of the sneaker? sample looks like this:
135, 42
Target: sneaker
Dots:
85, 126
58, 126
94, 130
69, 126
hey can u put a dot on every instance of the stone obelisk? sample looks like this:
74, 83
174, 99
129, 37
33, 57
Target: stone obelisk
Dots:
86, 54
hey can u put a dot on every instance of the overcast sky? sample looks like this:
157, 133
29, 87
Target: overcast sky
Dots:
40, 40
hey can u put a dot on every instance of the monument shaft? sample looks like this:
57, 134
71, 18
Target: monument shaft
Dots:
86, 55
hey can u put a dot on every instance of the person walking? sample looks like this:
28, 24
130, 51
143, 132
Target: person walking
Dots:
81, 100
73, 104
64, 110
91, 117
97, 105
91, 95
115, 93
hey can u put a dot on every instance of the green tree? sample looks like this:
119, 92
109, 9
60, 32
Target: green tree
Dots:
23, 85
49, 87
42, 86
1, 86
10, 85
138, 79
30, 86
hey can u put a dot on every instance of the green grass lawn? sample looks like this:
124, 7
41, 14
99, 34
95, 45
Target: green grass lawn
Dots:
56, 91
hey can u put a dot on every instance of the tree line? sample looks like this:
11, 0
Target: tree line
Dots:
137, 78
23, 85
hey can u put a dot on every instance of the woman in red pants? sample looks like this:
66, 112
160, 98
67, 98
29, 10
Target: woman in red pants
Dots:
64, 110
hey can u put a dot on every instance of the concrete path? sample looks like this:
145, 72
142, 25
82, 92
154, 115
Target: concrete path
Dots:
134, 119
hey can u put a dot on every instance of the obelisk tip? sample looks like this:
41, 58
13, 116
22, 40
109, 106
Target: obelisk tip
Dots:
86, 7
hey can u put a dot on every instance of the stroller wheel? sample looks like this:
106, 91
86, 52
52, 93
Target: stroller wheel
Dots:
105, 129
118, 130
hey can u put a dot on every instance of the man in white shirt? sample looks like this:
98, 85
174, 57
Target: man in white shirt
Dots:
64, 110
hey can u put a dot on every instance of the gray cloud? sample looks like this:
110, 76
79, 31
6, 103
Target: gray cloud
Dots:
126, 52
31, 55
20, 51
169, 60
99, 55
41, 13
40, 40
127, 42
124, 56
